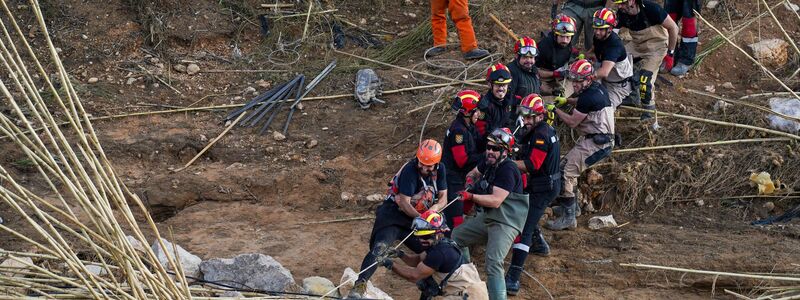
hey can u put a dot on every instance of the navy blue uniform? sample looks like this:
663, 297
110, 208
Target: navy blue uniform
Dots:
496, 113
442, 257
651, 14
461, 154
392, 224
611, 49
551, 55
523, 82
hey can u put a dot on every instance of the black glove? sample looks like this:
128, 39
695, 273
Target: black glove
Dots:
387, 263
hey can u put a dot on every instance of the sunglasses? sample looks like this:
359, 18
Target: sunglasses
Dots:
494, 148
425, 237
529, 51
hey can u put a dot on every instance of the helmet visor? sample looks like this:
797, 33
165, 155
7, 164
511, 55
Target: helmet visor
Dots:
528, 51
524, 112
600, 23
565, 29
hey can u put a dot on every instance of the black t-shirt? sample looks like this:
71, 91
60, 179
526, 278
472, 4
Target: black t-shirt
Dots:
442, 257
610, 49
551, 55
505, 175
408, 181
649, 15
593, 99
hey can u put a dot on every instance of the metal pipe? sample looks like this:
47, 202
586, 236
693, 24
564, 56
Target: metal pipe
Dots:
310, 86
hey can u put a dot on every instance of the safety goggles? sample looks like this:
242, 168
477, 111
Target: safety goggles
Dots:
600, 23
421, 224
565, 29
526, 112
528, 51
495, 148
575, 77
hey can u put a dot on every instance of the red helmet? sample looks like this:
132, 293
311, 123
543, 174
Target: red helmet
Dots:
581, 70
526, 46
502, 137
564, 25
531, 105
604, 18
498, 74
429, 152
466, 102
429, 222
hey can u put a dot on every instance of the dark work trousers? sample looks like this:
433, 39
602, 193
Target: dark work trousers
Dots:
391, 225
538, 203
454, 214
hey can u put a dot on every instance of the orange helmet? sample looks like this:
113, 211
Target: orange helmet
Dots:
498, 74
564, 25
526, 46
581, 70
429, 152
466, 102
428, 223
531, 105
604, 18
502, 137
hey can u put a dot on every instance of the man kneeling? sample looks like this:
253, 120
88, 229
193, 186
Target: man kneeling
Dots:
438, 270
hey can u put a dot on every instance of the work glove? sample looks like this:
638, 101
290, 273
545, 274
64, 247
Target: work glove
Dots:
395, 253
669, 61
581, 56
560, 101
560, 73
470, 183
465, 196
386, 263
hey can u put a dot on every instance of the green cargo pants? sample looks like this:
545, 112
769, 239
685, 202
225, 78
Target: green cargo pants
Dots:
498, 239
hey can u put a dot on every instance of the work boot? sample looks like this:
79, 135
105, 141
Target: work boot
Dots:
539, 245
631, 100
476, 53
436, 51
358, 290
559, 210
496, 286
565, 221
512, 286
680, 69
647, 115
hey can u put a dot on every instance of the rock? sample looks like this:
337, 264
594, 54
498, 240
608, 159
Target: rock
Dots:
771, 53
699, 202
769, 206
319, 286
85, 37
93, 80
136, 244
252, 271
13, 264
347, 196
249, 90
363, 21
189, 262
600, 222
96, 270
278, 136
710, 88
791, 6
649, 199
376, 197
729, 85
192, 69
411, 15
179, 68
300, 105
721, 106
311, 144
130, 80
712, 4
321, 177
371, 293
236, 165
263, 84
232, 294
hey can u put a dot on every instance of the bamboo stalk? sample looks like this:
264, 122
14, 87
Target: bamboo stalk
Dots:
737, 125
762, 277
759, 107
244, 71
407, 69
765, 94
276, 5
747, 55
308, 17
214, 141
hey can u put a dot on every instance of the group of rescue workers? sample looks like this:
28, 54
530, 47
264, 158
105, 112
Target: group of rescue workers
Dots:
490, 183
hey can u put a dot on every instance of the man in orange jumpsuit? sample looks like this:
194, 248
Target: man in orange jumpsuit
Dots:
459, 13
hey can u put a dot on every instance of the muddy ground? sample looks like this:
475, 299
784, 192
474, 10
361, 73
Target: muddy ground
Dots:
251, 193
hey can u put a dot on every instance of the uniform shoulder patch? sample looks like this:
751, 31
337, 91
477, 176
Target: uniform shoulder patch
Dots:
459, 138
